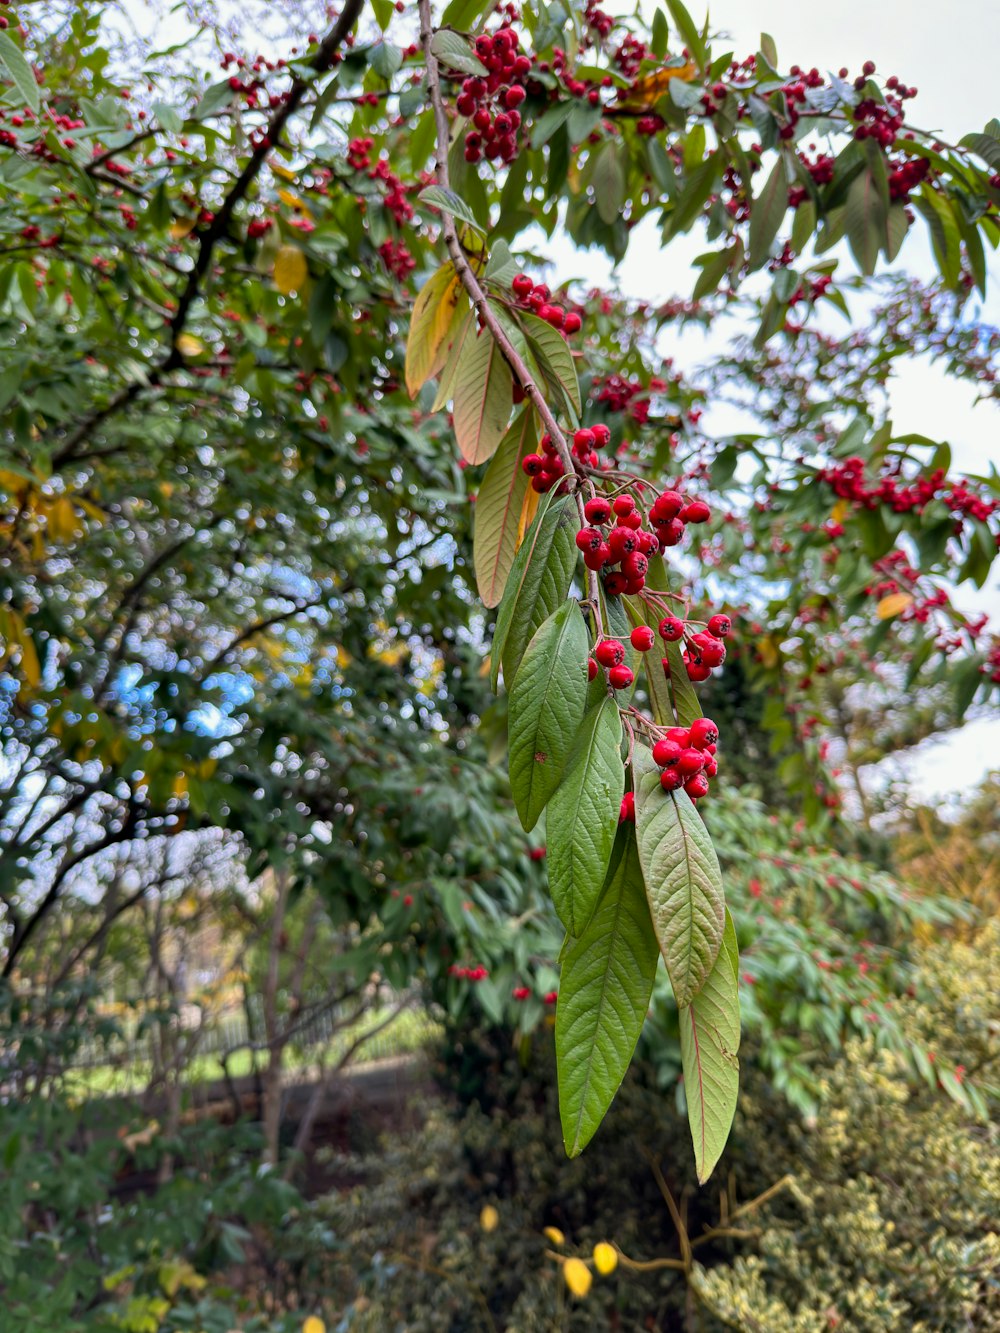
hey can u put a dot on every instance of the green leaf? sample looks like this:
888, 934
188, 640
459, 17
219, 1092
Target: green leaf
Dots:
446, 201
605, 984
692, 199
386, 59
683, 879
939, 215
482, 398
170, 119
582, 817
710, 1039
546, 706
896, 226
681, 705
554, 358
498, 510
685, 25
214, 98
538, 582
608, 181
984, 146
866, 221
13, 61
455, 52
713, 267
767, 214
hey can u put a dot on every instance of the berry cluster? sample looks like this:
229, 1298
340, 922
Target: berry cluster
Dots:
537, 297
477, 973
847, 481
491, 102
545, 469
704, 650
686, 756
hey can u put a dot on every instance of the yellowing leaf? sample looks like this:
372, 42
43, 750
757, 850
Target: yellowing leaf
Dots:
554, 1235
61, 520
429, 324
290, 269
313, 1324
768, 650
489, 1218
528, 511
180, 785
840, 511
292, 200
344, 658
645, 93
893, 604
189, 345
577, 1276
181, 228
605, 1258
278, 170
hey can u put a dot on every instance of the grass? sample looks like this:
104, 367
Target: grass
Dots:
412, 1030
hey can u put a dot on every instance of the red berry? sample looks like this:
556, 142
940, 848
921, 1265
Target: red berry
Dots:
671, 629
720, 626
602, 436
583, 439
610, 652
711, 652
544, 311
620, 677
598, 558
690, 761
522, 285
555, 316
670, 779
633, 520
695, 512
648, 543
697, 786
624, 504
666, 753
615, 584
704, 732
597, 510
642, 638
634, 565
572, 323
592, 669
626, 814
670, 534
589, 539
532, 464
623, 542
679, 735
666, 506
697, 671
514, 96
711, 766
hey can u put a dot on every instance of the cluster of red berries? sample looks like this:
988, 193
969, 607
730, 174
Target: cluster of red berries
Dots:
545, 469
847, 481
491, 102
537, 297
704, 650
625, 549
686, 756
397, 259
477, 973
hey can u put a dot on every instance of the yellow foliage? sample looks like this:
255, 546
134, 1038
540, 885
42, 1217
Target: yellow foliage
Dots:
577, 1276
290, 270
893, 604
605, 1258
529, 507
554, 1235
189, 345
645, 93
489, 1218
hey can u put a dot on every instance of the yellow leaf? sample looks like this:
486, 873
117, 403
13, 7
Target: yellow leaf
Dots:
20, 635
429, 324
292, 200
768, 650
893, 604
840, 511
489, 1218
189, 345
605, 1258
206, 768
278, 170
290, 269
554, 1235
61, 520
313, 1324
344, 658
578, 1276
645, 93
183, 227
528, 507
180, 785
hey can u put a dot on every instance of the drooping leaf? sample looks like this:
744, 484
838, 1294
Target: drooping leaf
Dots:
538, 582
683, 879
499, 505
545, 709
866, 221
291, 270
456, 53
710, 1039
12, 60
766, 215
554, 358
608, 181
582, 817
681, 705
605, 983
482, 398
449, 202
429, 324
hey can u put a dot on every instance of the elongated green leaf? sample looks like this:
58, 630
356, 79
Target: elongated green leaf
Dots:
896, 226
767, 214
605, 983
429, 324
498, 509
710, 1039
12, 60
538, 582
608, 181
582, 818
939, 215
866, 221
681, 704
546, 708
687, 28
449, 202
683, 879
554, 358
482, 398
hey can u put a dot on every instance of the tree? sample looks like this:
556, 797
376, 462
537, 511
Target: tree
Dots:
238, 589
